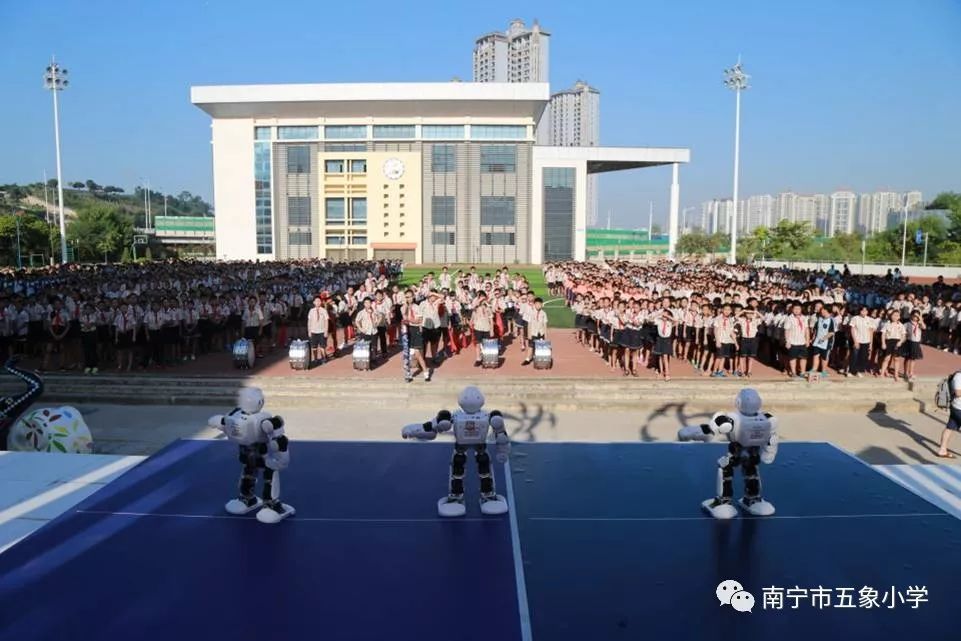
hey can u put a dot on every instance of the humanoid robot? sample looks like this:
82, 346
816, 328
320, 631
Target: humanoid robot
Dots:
470, 424
752, 439
263, 444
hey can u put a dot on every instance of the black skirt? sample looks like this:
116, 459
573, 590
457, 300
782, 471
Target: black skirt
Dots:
690, 333
590, 325
726, 350
912, 351
664, 346
125, 340
579, 321
633, 337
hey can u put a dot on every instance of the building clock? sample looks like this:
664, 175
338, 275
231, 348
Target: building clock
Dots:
393, 168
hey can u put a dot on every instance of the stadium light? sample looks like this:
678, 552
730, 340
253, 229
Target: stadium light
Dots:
55, 79
736, 80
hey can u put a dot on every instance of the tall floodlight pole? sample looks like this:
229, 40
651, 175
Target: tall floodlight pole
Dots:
736, 79
904, 237
55, 79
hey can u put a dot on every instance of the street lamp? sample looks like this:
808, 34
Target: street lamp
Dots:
736, 79
55, 79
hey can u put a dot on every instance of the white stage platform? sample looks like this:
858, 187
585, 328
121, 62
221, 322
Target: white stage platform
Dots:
36, 487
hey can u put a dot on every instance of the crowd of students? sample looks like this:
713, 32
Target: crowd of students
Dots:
722, 318
440, 315
158, 315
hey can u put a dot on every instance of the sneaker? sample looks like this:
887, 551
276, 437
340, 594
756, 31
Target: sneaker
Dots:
94, 370
86, 370
477, 363
428, 374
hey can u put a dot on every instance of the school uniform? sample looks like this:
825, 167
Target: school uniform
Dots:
724, 336
796, 336
748, 327
861, 333
912, 347
664, 342
537, 324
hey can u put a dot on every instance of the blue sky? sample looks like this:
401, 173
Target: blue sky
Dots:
857, 94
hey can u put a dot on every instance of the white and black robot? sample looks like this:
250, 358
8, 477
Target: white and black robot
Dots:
752, 438
471, 425
263, 445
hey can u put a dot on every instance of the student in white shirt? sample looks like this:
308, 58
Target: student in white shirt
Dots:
954, 417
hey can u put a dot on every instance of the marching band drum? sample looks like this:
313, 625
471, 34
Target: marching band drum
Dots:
490, 353
362, 355
244, 354
543, 354
299, 354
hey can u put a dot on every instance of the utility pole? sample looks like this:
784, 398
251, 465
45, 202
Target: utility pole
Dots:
736, 79
55, 79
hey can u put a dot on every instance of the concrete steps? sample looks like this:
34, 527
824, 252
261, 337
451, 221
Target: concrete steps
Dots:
559, 394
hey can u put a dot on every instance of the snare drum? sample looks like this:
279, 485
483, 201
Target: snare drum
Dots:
543, 354
361, 355
490, 353
244, 354
299, 354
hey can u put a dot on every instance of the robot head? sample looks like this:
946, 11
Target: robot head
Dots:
471, 400
250, 399
748, 401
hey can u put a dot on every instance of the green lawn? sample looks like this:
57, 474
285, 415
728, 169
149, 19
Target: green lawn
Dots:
558, 314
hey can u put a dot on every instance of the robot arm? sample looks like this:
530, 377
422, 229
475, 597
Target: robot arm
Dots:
769, 451
278, 454
429, 430
218, 422
501, 439
720, 423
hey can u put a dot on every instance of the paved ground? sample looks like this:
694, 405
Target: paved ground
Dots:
570, 359
877, 438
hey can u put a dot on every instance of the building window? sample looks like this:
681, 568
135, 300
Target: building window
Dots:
358, 240
297, 133
336, 240
497, 211
358, 211
498, 159
358, 166
335, 211
497, 238
345, 131
263, 214
334, 166
339, 146
442, 132
298, 160
442, 210
261, 133
442, 159
498, 132
442, 238
393, 132
559, 213
298, 210
299, 238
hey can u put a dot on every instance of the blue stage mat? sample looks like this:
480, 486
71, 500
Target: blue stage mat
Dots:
615, 546
154, 557
611, 538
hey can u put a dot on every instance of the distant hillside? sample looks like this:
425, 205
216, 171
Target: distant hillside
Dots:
80, 196
101, 221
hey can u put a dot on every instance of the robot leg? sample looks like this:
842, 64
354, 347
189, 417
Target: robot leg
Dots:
246, 501
722, 505
490, 501
752, 501
453, 503
274, 510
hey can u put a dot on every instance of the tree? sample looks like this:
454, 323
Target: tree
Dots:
52, 183
101, 228
34, 236
952, 202
78, 185
92, 186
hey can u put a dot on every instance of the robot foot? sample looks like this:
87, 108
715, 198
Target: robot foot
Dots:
272, 515
719, 509
757, 506
495, 504
449, 506
240, 506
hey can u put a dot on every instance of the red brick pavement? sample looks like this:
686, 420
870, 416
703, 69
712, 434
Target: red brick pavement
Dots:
570, 360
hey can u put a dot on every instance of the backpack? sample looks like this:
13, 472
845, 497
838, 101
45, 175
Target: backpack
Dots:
944, 394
